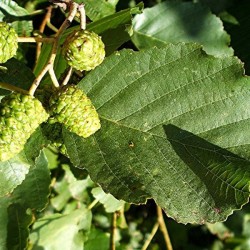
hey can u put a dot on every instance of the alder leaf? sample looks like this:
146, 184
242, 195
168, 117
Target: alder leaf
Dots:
138, 96
16, 209
173, 22
98, 9
11, 12
65, 231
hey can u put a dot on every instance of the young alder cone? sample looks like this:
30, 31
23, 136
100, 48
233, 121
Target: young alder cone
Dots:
8, 42
83, 50
71, 107
20, 115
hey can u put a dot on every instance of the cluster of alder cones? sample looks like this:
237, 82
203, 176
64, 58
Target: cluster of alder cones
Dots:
21, 114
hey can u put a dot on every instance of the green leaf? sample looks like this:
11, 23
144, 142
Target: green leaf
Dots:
17, 74
10, 11
110, 203
173, 22
12, 174
15, 209
35, 189
13, 171
135, 157
61, 231
97, 240
96, 10
18, 227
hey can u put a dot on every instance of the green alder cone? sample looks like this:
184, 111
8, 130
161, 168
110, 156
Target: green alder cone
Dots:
71, 107
83, 50
8, 42
20, 117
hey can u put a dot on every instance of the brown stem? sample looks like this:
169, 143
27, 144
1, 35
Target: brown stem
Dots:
49, 66
151, 236
41, 29
112, 231
67, 78
163, 228
13, 88
35, 39
81, 9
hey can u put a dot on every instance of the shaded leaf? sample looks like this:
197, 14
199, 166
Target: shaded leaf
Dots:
173, 22
19, 220
134, 158
17, 74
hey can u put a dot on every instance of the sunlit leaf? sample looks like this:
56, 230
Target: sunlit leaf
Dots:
169, 117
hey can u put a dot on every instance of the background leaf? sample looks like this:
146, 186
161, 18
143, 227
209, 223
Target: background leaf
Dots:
12, 173
132, 157
173, 22
11, 12
98, 9
15, 209
111, 204
18, 227
17, 74
61, 231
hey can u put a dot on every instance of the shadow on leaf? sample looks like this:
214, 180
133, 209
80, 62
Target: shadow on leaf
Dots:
225, 175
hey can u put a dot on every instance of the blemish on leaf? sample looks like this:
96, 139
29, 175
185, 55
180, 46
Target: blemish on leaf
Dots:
217, 210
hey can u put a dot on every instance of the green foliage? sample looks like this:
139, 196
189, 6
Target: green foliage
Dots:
170, 22
173, 102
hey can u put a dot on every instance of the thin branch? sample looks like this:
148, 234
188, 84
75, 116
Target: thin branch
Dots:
67, 78
35, 39
163, 228
53, 77
13, 88
41, 30
151, 236
52, 27
81, 9
50, 64
92, 204
112, 231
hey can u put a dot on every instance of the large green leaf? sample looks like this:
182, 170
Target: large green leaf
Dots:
173, 22
198, 98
